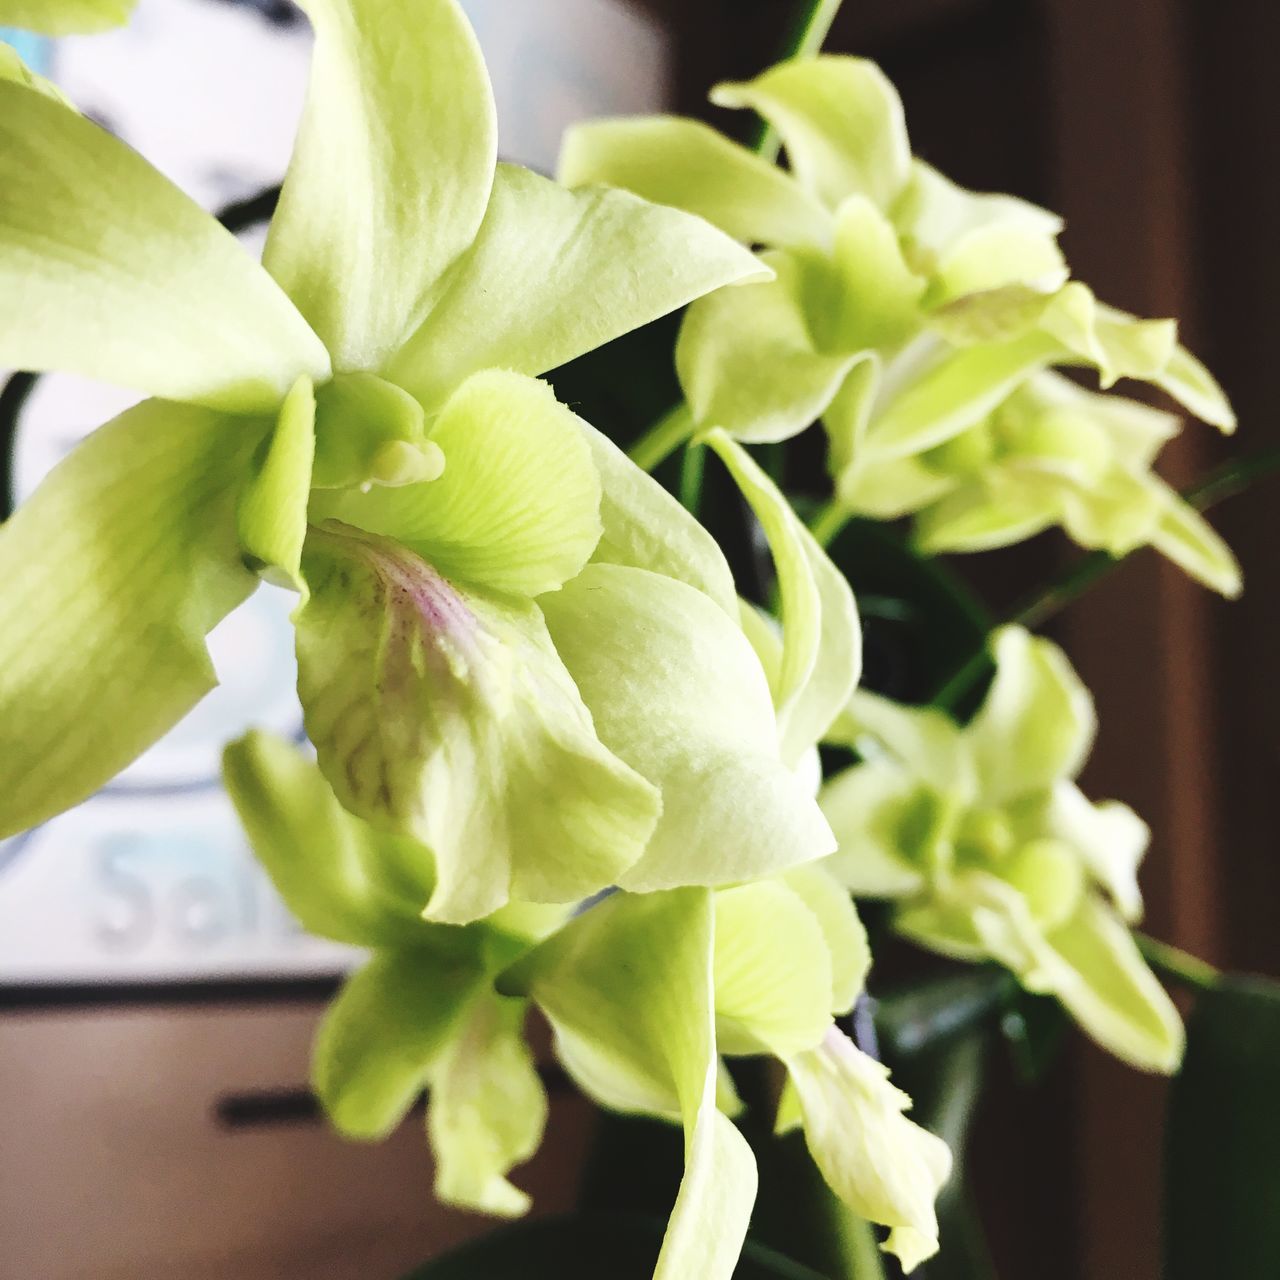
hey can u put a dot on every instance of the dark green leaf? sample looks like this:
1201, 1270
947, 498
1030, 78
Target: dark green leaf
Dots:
922, 1017
591, 1247
1222, 1193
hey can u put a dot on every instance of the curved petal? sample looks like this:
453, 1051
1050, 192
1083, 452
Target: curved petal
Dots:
677, 692
846, 939
646, 528
924, 740
13, 68
517, 508
841, 121
982, 516
114, 571
821, 637
689, 165
868, 806
1037, 723
748, 361
339, 877
448, 716
882, 1165
631, 979
109, 271
390, 173
554, 274
65, 17
382, 1035
1116, 344
1192, 543
487, 1109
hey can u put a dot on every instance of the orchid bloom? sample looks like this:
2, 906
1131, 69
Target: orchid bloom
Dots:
903, 310
362, 420
989, 850
1054, 453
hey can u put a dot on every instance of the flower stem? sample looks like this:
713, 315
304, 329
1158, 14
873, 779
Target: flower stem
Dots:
1233, 477
663, 438
692, 467
1181, 966
827, 521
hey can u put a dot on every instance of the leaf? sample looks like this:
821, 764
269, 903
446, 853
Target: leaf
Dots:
917, 1019
448, 716
1222, 1179
390, 174
115, 570
556, 273
109, 271
676, 690
586, 1247
689, 165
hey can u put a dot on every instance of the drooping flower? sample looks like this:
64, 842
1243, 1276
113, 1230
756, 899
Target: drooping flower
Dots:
362, 420
904, 310
989, 850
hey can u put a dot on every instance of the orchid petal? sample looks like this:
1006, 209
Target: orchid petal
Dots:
980, 517
690, 166
13, 68
924, 740
109, 271
1192, 543
65, 17
390, 174
554, 274
447, 716
822, 640
868, 806
677, 692
517, 509
824, 895
114, 571
841, 121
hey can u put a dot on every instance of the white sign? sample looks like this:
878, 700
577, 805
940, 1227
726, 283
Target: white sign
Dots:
152, 880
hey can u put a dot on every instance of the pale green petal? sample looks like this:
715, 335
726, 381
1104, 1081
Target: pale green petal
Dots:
382, 1035
339, 877
1115, 511
447, 716
1193, 386
272, 516
924, 740
487, 1109
1191, 542
841, 121
630, 981
821, 635
957, 391
846, 939
980, 517
1116, 344
517, 509
873, 297
109, 271
885, 1168
14, 69
749, 363
554, 274
936, 216
677, 691
646, 528
65, 17
996, 257
687, 164
1111, 992
868, 806
1037, 723
890, 489
390, 174
114, 571
773, 971
1110, 839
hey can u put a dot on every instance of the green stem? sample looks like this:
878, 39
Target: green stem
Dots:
806, 39
663, 438
1181, 966
692, 468
1226, 481
828, 520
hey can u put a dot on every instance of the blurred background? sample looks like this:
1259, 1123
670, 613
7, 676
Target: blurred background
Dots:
156, 1003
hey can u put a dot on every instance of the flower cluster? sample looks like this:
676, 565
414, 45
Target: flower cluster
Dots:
558, 762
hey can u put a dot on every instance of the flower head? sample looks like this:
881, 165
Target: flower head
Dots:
990, 851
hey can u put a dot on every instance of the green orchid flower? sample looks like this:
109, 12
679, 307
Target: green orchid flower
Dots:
422, 1013
990, 851
1053, 453
65, 17
361, 420
645, 992
903, 310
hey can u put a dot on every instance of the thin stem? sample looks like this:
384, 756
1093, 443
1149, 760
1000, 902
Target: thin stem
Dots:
806, 38
828, 520
663, 438
1233, 477
1181, 966
692, 468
